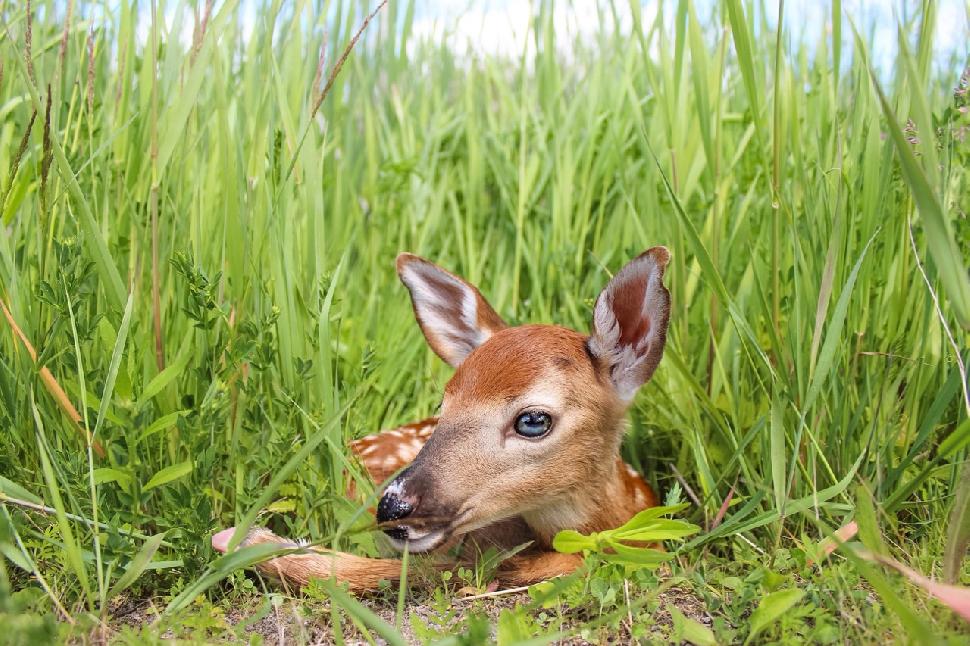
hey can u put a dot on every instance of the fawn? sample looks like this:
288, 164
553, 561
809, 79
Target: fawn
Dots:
527, 439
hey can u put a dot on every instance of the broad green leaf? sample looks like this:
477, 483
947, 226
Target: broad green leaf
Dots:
647, 516
160, 424
669, 530
108, 474
9, 546
168, 474
639, 556
771, 608
12, 552
570, 541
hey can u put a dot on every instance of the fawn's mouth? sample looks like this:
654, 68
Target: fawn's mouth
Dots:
422, 534
416, 540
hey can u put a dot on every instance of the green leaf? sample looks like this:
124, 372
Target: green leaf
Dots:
771, 608
168, 474
16, 557
107, 474
662, 530
14, 490
160, 424
690, 630
137, 565
363, 614
512, 627
9, 546
166, 376
744, 49
865, 515
569, 541
638, 556
647, 526
958, 528
116, 353
647, 516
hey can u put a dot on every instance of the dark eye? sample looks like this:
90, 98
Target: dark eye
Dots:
533, 423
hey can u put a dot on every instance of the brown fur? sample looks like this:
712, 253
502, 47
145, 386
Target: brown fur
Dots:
358, 572
499, 372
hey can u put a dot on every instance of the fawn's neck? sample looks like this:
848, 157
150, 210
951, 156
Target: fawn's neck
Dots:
605, 502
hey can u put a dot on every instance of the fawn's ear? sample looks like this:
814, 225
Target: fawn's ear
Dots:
453, 315
630, 321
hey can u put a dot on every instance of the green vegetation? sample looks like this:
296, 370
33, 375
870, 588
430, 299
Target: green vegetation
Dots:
204, 264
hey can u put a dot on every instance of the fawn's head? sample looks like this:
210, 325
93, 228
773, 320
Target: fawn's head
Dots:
533, 413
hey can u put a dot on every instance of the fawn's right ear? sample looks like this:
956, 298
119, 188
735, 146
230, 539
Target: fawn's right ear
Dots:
453, 315
630, 321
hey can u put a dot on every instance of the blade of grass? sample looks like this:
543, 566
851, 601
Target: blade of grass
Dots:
137, 565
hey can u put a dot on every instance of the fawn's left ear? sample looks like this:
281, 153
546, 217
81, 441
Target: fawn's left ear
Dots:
452, 313
630, 321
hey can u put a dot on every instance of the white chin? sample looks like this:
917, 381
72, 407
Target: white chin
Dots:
418, 540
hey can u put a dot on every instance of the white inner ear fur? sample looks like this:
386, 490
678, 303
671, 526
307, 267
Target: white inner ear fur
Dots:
627, 359
460, 335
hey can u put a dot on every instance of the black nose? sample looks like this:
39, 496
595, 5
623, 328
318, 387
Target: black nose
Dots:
392, 507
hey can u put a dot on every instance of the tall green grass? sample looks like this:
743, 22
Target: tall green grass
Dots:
205, 263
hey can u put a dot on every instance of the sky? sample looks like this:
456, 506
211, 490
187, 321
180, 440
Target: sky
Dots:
500, 26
